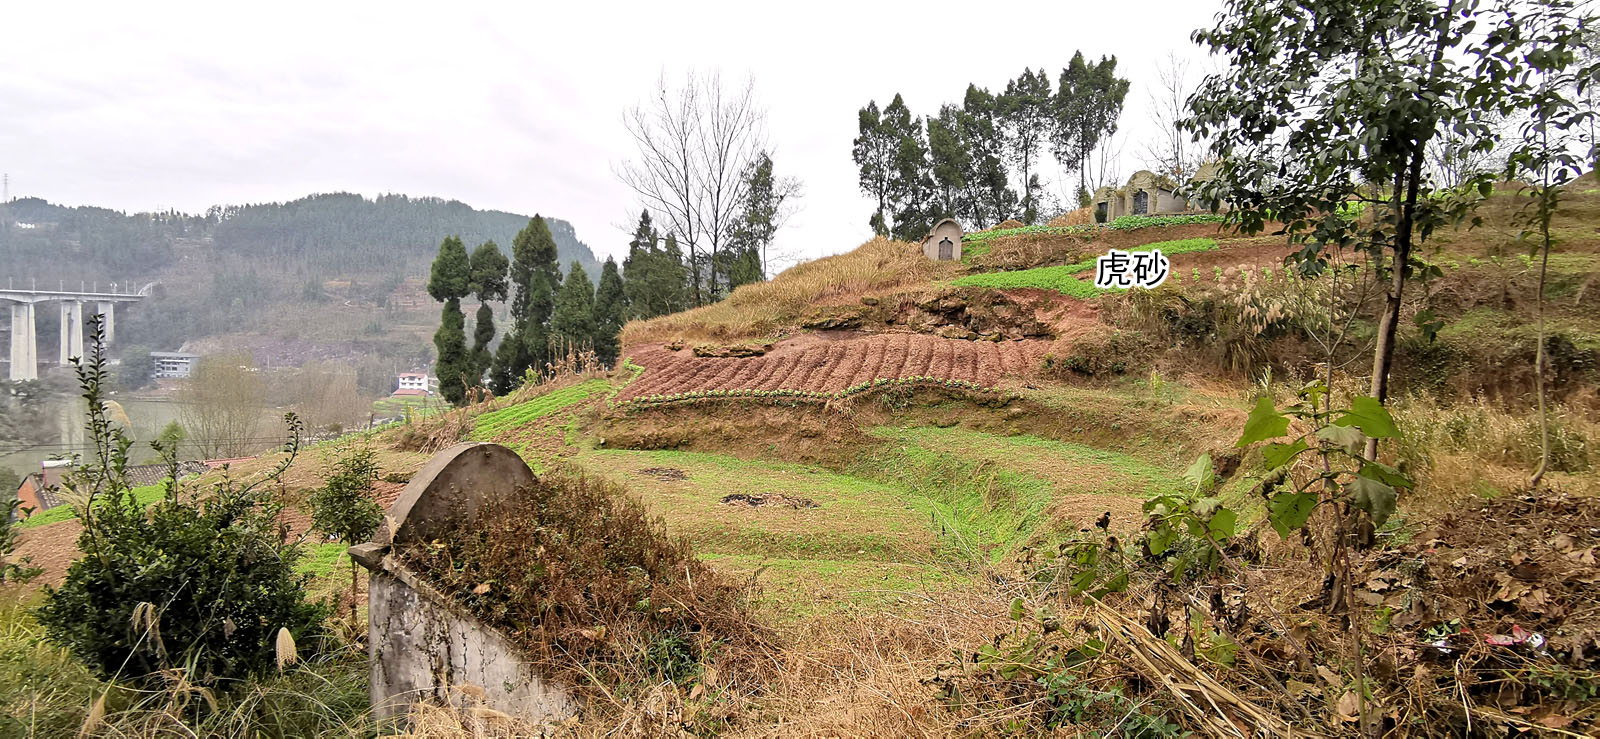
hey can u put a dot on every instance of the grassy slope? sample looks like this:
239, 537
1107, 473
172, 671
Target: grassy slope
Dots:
1063, 278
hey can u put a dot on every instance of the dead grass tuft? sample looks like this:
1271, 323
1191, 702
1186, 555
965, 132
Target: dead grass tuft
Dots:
767, 309
1080, 217
593, 588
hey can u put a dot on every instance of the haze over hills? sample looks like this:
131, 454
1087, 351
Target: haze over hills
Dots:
327, 276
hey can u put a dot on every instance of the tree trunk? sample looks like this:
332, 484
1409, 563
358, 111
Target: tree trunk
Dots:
1538, 357
1389, 322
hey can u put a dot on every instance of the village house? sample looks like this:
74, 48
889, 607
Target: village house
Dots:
41, 490
414, 384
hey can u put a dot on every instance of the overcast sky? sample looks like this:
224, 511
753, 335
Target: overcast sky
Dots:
137, 107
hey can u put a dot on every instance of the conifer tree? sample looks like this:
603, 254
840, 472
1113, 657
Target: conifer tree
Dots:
610, 308
535, 275
572, 322
1028, 111
637, 268
449, 282
992, 198
487, 269
874, 152
911, 174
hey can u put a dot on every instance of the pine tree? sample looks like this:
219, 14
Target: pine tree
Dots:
911, 175
758, 222
1087, 104
671, 281
951, 157
610, 309
638, 267
1028, 111
487, 269
572, 323
874, 152
449, 282
992, 198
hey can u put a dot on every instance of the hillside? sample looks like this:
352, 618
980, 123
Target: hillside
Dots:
327, 277
941, 482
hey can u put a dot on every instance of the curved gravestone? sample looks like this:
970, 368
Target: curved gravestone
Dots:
420, 644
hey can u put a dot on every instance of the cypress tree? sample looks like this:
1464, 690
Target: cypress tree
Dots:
637, 270
449, 282
572, 321
610, 308
487, 269
535, 275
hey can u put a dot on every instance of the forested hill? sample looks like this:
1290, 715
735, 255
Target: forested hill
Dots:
335, 230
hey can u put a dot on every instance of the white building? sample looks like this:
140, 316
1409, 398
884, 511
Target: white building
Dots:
414, 383
174, 365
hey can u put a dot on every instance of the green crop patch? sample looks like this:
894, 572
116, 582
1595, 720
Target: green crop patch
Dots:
144, 495
491, 425
1064, 278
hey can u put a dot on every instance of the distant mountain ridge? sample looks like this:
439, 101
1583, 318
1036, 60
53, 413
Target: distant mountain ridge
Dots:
326, 230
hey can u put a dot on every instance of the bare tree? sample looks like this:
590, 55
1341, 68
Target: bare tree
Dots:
1451, 160
222, 406
694, 146
1174, 154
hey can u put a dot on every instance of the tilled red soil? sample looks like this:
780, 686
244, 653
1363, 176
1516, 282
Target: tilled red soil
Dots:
832, 364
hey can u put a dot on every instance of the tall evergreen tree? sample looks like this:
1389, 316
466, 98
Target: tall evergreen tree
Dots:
572, 324
638, 267
992, 199
911, 192
1087, 105
449, 282
610, 309
1027, 110
535, 274
763, 213
671, 280
874, 152
951, 156
487, 269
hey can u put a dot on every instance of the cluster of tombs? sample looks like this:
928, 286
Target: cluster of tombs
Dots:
1146, 193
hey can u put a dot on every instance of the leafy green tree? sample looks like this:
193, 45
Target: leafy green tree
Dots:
610, 307
488, 276
765, 209
172, 436
874, 153
1328, 102
911, 189
137, 369
450, 281
951, 156
200, 580
344, 507
1086, 108
573, 322
1026, 111
991, 198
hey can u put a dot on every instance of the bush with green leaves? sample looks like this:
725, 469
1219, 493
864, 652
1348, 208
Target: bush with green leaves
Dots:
18, 570
344, 508
200, 581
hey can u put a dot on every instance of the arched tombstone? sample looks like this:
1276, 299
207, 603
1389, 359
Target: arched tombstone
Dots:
943, 243
421, 646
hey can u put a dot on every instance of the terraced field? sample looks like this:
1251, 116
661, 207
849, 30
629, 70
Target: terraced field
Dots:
832, 365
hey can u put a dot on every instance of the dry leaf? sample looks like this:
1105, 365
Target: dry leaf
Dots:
1329, 676
480, 589
1349, 707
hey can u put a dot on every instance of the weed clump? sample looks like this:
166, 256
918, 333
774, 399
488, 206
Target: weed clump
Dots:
590, 585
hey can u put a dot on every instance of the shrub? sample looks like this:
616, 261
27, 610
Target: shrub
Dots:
199, 582
344, 508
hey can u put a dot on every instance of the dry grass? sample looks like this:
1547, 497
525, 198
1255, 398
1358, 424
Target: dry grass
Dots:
767, 309
1080, 217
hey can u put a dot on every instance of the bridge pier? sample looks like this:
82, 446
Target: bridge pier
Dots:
24, 344
24, 332
71, 331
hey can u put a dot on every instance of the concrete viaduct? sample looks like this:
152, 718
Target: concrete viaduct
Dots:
24, 302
